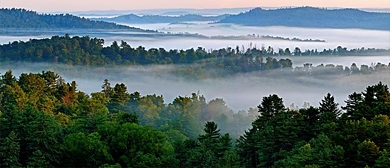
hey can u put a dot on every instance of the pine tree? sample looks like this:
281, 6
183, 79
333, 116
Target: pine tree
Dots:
269, 107
9, 151
106, 88
211, 130
328, 109
352, 105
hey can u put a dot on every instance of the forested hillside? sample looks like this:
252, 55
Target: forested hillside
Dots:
90, 51
21, 18
200, 63
45, 121
312, 17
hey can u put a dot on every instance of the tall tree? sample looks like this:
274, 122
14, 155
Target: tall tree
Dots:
329, 109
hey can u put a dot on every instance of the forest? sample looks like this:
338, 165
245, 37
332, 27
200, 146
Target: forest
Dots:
46, 121
199, 63
84, 50
21, 18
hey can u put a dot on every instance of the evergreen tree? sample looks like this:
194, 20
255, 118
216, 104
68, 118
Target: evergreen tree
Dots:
120, 95
328, 109
106, 88
352, 105
9, 151
269, 107
211, 130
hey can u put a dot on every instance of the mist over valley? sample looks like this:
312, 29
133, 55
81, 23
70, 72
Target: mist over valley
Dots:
230, 87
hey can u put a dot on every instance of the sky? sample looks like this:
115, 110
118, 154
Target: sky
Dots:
86, 5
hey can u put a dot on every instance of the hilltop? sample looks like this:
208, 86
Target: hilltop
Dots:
312, 17
21, 18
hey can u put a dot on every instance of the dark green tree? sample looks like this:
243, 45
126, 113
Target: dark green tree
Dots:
37, 160
211, 130
9, 151
328, 109
106, 88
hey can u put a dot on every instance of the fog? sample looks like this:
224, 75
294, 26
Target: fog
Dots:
350, 38
339, 60
241, 91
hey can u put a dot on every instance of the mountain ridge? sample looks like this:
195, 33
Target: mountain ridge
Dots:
22, 18
312, 17
133, 18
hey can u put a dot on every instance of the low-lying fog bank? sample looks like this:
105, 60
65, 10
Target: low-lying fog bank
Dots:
240, 91
350, 38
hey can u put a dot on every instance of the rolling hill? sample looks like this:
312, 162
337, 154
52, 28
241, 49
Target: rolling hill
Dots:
21, 18
312, 17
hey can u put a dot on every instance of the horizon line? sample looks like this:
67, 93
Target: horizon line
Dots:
151, 9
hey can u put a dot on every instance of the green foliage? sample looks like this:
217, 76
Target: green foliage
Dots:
383, 160
211, 150
200, 63
9, 151
320, 137
328, 109
130, 143
211, 130
375, 100
320, 151
230, 159
37, 160
367, 153
79, 149
45, 122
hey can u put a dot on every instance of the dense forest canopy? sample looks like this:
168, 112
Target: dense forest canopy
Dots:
312, 17
21, 18
45, 121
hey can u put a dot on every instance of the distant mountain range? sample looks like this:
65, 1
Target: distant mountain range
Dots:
184, 11
132, 18
163, 12
293, 17
312, 17
21, 18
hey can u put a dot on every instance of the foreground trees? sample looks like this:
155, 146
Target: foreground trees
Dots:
320, 137
46, 122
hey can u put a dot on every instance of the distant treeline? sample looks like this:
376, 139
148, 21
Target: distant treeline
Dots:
254, 36
291, 39
21, 18
90, 51
228, 67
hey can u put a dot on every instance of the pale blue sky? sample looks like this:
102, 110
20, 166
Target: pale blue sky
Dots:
84, 5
